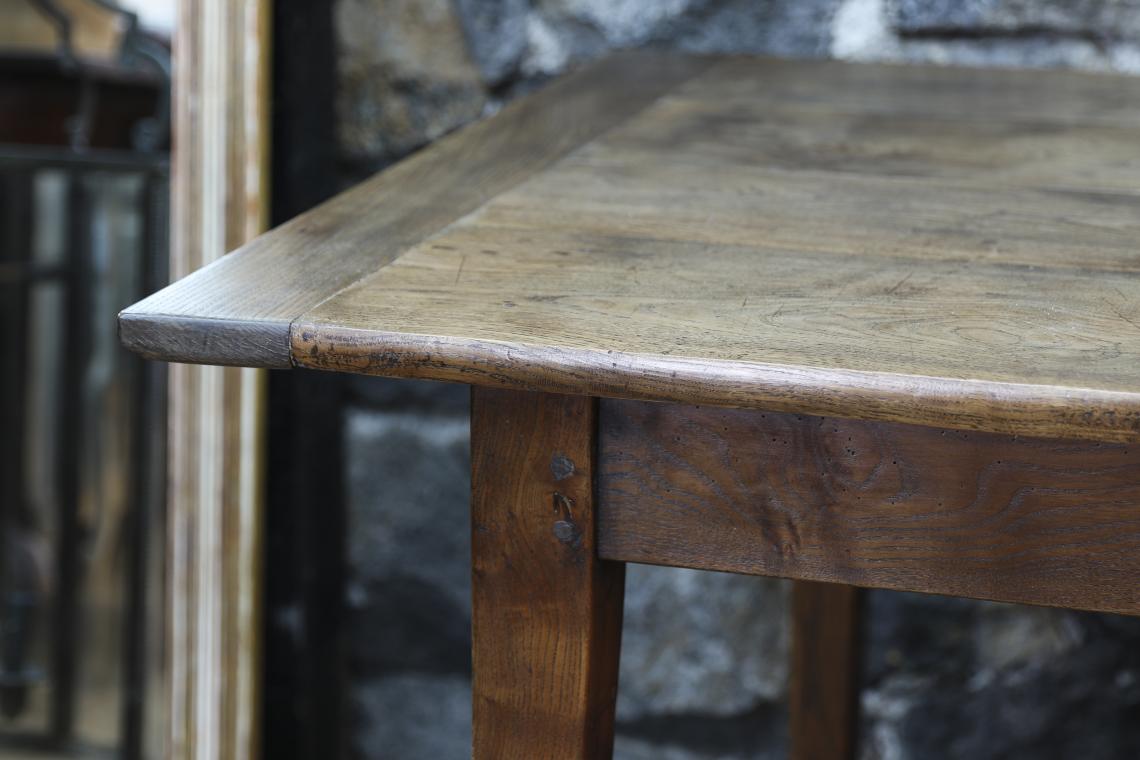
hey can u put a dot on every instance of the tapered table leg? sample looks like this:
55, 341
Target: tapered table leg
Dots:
546, 611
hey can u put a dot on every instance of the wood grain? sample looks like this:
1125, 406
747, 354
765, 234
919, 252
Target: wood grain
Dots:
881, 505
915, 244
858, 257
547, 613
975, 347
238, 311
950, 92
215, 506
795, 135
823, 685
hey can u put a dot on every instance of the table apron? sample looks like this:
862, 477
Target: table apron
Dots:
882, 505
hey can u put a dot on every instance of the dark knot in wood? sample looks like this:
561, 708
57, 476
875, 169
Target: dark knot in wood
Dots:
561, 467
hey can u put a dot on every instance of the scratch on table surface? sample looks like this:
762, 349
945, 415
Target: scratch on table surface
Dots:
1119, 310
459, 272
900, 283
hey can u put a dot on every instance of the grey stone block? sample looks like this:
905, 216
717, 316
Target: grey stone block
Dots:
1109, 18
629, 748
744, 26
496, 35
412, 717
757, 734
423, 397
1032, 52
1096, 36
700, 642
957, 678
562, 31
409, 541
405, 76
622, 23
409, 493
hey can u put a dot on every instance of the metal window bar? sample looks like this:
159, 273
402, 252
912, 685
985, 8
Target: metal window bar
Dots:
69, 394
24, 582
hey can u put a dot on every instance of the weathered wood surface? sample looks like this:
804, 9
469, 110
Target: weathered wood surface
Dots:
873, 504
238, 311
946, 247
215, 505
823, 684
546, 612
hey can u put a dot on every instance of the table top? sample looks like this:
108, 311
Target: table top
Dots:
939, 246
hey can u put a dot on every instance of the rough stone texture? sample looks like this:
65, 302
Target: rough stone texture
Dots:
405, 76
701, 642
704, 655
775, 28
497, 35
1095, 18
412, 70
1098, 35
562, 32
412, 717
409, 543
758, 734
957, 678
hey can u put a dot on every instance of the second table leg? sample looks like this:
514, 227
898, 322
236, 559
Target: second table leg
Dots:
825, 666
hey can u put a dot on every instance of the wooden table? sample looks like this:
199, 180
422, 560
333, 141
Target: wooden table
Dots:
893, 313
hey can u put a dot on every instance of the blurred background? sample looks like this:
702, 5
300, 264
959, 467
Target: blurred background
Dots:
366, 599
84, 139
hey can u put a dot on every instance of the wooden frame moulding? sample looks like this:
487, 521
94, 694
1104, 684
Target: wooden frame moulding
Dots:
216, 415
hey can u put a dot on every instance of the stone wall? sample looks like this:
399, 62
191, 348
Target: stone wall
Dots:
704, 655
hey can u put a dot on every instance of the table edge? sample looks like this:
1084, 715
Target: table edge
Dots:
1042, 411
204, 340
179, 324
